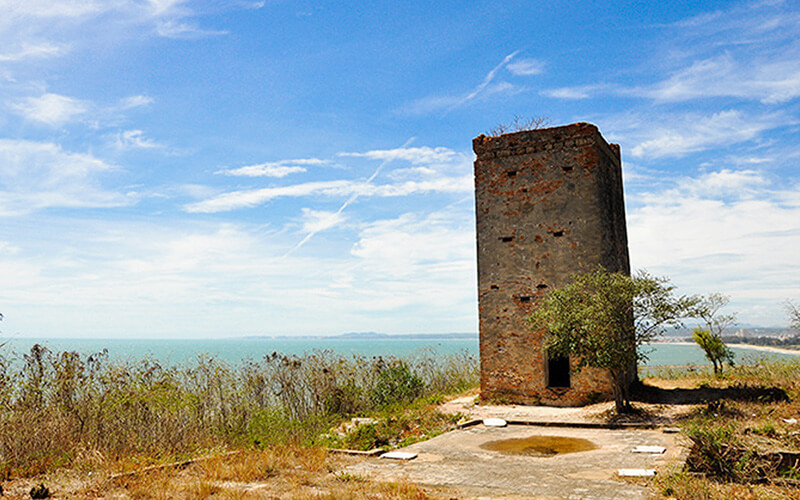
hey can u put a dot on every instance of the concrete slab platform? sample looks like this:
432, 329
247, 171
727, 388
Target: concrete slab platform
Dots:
457, 462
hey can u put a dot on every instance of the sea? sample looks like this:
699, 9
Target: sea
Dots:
236, 350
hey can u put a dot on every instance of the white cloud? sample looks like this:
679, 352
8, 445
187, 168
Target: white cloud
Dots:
748, 51
29, 50
339, 188
48, 8
35, 176
134, 101
264, 170
161, 279
134, 139
742, 183
678, 135
177, 29
425, 261
526, 67
315, 221
435, 170
773, 80
51, 109
415, 156
161, 7
578, 92
277, 169
728, 231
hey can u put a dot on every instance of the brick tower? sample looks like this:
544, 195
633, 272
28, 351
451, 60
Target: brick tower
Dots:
549, 204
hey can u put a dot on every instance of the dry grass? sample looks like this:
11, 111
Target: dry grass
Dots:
745, 443
295, 472
686, 486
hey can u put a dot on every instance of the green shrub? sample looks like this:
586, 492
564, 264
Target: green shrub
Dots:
396, 383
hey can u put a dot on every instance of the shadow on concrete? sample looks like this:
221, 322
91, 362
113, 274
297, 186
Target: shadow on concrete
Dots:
649, 394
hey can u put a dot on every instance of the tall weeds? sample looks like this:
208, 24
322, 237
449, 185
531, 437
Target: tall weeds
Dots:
66, 409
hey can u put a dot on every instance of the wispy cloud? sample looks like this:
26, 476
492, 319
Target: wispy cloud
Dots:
680, 134
577, 92
415, 155
276, 169
418, 260
486, 87
177, 29
41, 28
731, 230
769, 80
134, 101
447, 172
216, 279
315, 221
526, 67
134, 139
29, 50
36, 175
50, 109
748, 51
486, 80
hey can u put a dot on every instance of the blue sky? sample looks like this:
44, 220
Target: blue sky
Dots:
174, 168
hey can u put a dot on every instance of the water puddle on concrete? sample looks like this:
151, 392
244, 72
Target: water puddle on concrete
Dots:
539, 446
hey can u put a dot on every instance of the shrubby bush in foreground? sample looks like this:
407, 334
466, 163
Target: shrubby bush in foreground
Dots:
65, 409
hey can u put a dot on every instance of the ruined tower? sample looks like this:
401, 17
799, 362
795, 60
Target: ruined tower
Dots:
549, 204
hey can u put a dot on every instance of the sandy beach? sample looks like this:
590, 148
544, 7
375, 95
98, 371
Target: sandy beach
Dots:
766, 348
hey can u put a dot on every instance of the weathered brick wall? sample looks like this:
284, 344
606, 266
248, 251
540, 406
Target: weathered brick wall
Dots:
549, 204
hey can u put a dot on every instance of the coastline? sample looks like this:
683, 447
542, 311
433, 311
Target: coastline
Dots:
765, 348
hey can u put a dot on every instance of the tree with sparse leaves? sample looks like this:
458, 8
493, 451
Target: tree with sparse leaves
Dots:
715, 349
794, 315
602, 319
708, 310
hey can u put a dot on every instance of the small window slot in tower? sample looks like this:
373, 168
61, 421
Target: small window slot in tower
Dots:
494, 287
557, 371
512, 173
541, 287
524, 298
558, 234
507, 239
566, 169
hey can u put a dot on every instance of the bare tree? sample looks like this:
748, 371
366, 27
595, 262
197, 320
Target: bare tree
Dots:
519, 124
794, 315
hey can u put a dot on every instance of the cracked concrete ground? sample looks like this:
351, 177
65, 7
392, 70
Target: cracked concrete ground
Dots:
456, 463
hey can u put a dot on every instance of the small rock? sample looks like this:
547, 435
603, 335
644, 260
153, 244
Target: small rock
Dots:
494, 422
400, 455
636, 472
791, 421
649, 449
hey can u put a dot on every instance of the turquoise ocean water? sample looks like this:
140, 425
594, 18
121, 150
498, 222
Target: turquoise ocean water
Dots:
236, 350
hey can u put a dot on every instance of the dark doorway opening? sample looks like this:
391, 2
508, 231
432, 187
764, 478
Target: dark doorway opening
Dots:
557, 371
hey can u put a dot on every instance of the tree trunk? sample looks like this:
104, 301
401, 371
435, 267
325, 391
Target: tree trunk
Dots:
619, 385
